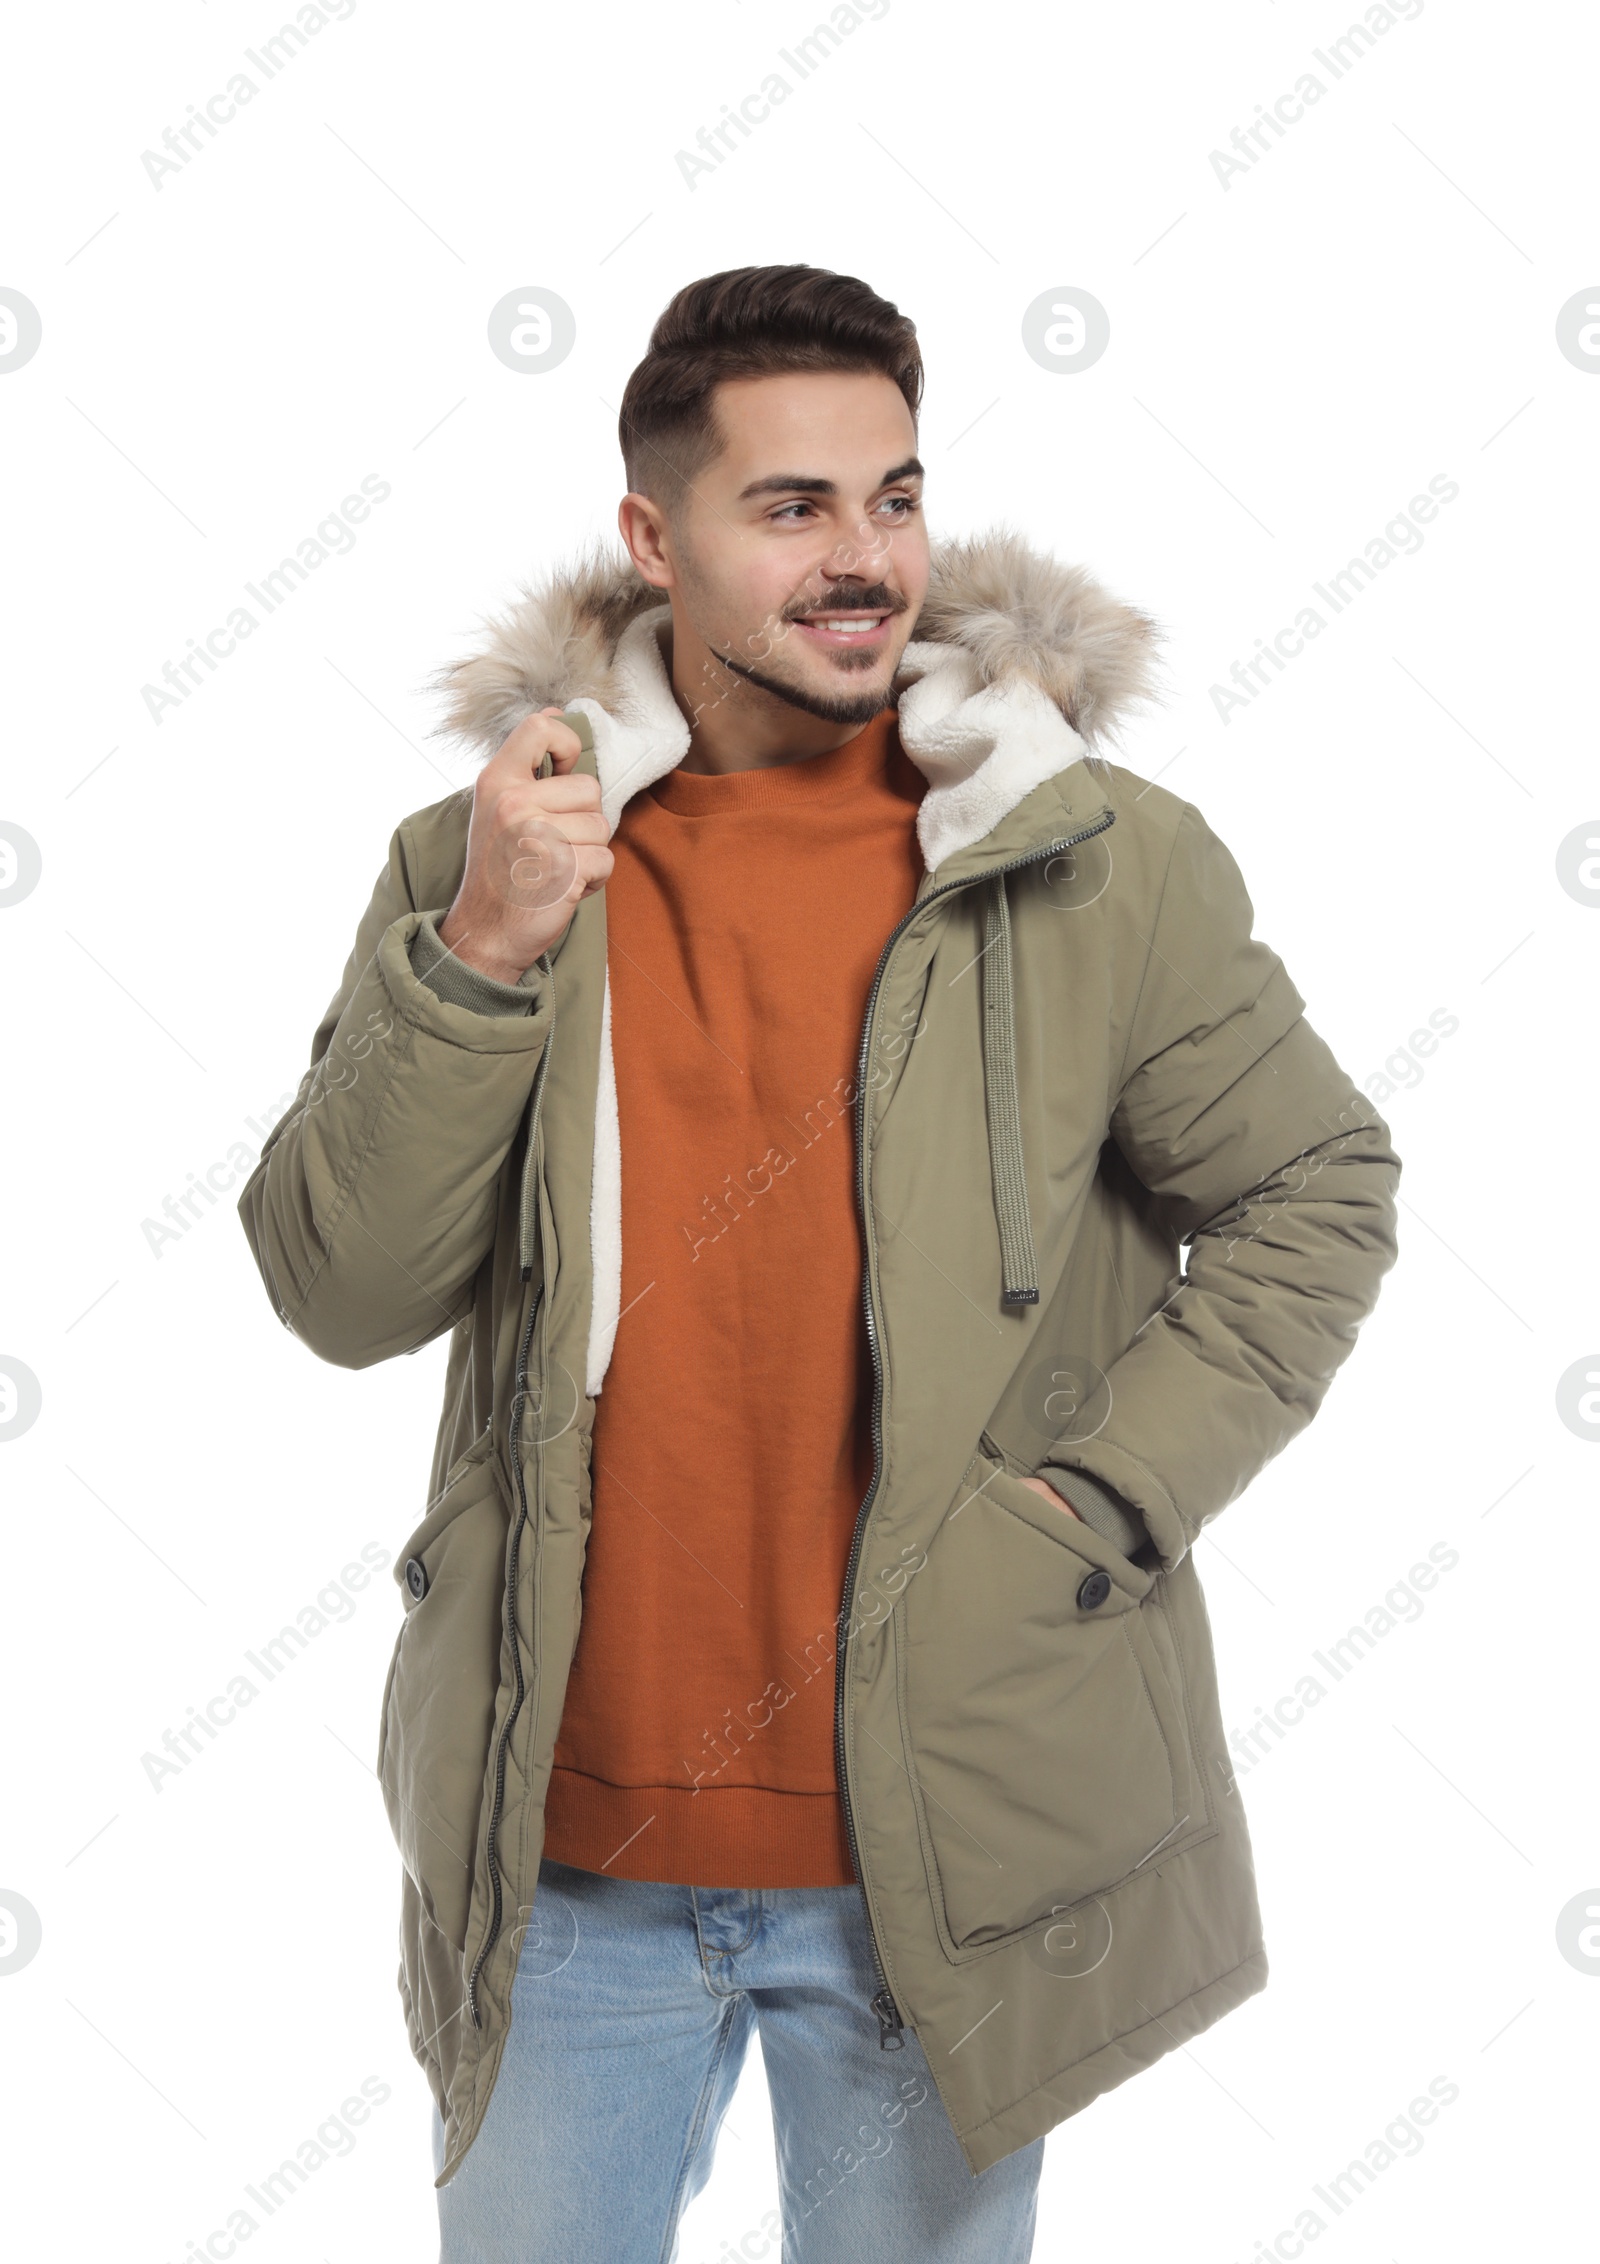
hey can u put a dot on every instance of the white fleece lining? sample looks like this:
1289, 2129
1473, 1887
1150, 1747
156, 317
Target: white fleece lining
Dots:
605, 1210
981, 750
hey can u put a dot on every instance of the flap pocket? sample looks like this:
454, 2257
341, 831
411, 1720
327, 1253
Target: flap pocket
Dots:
1045, 1740
441, 1512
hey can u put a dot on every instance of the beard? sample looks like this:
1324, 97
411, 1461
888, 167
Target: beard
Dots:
833, 707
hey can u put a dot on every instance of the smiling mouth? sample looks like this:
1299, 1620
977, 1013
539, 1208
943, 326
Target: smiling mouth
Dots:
839, 630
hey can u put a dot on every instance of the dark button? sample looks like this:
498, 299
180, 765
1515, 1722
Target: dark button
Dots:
1094, 1591
417, 1578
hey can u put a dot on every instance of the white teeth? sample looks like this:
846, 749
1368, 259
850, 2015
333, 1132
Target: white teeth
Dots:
856, 628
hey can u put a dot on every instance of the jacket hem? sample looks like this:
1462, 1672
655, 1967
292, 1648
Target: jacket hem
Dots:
1081, 2082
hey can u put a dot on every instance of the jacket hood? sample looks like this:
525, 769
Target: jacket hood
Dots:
1021, 666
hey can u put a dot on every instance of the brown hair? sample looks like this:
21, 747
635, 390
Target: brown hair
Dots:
749, 322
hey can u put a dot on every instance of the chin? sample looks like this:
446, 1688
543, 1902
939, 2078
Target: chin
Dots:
844, 701
840, 697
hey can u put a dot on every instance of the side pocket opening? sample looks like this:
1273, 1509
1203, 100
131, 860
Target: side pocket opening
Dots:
444, 1675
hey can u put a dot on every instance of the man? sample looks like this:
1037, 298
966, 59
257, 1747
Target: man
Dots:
792, 1075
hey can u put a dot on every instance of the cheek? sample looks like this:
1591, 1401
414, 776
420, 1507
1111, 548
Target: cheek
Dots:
738, 606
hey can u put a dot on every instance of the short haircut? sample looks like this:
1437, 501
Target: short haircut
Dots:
749, 322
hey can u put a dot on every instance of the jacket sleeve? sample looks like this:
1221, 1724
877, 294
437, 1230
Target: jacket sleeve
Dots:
375, 1199
1278, 1174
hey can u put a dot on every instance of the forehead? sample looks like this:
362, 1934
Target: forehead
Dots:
845, 425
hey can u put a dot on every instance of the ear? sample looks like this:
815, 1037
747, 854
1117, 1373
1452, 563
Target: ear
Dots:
643, 527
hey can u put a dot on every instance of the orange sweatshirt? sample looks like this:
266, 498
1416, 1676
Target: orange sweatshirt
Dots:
745, 918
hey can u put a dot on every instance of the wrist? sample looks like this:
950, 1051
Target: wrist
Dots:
475, 949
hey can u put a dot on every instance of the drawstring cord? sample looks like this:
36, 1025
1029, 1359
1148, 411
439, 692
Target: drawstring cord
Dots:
1018, 1268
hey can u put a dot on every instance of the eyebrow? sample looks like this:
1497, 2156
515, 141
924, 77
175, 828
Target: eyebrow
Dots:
806, 483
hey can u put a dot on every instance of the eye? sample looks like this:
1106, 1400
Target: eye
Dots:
905, 505
785, 507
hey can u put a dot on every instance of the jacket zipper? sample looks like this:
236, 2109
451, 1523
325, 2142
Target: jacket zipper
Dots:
891, 2028
509, 1601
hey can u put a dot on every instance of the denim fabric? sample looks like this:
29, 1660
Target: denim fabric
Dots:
633, 2007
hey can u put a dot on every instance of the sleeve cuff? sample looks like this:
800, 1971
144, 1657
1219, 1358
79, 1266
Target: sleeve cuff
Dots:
1114, 1519
451, 979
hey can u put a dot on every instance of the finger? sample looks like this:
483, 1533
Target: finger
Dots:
538, 735
594, 869
575, 825
565, 748
576, 790
575, 868
564, 744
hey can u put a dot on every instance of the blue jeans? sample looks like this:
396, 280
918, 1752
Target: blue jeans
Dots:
632, 2010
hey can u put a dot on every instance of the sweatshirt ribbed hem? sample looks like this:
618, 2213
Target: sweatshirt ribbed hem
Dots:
729, 1836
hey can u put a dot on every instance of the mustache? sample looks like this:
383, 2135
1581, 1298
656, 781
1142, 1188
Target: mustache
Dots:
879, 598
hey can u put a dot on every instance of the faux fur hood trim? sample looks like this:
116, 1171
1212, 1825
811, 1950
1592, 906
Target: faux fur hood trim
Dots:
1019, 615
1026, 618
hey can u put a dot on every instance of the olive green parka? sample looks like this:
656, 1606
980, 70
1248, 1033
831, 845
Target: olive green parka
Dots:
1122, 1216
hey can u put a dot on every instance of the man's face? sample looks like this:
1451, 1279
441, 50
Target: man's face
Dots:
800, 556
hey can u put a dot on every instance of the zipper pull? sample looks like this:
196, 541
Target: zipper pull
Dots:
891, 2030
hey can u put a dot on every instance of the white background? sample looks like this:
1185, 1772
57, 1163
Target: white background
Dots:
1293, 355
